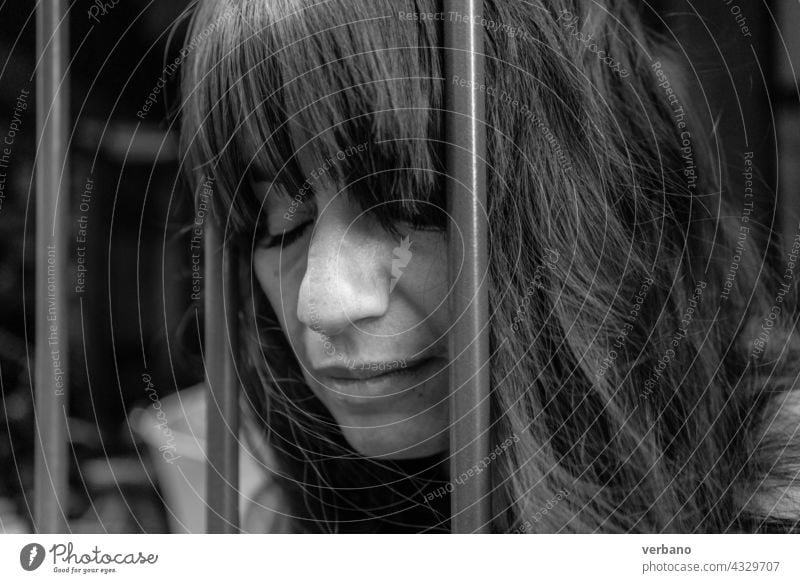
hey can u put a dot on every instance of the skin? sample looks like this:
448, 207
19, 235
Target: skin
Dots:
333, 292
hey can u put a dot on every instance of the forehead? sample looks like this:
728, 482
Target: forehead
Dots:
277, 99
309, 155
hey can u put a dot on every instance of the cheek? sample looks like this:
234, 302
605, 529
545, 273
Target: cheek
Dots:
426, 282
280, 282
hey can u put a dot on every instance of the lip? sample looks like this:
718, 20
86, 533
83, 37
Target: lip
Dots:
362, 371
357, 383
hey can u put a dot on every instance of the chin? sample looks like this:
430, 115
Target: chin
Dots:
397, 442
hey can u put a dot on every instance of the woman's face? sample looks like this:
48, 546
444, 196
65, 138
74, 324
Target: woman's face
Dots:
365, 312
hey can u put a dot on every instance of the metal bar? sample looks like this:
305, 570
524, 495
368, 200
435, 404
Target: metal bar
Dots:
222, 403
467, 260
52, 227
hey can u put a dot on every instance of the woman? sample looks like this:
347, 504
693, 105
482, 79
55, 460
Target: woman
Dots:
633, 387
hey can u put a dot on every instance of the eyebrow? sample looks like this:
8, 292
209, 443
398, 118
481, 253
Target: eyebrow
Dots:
284, 191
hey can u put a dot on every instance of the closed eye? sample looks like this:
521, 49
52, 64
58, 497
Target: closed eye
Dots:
286, 238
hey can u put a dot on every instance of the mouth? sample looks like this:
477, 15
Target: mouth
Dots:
352, 370
381, 379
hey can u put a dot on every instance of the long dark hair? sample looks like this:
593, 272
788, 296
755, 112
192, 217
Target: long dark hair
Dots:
629, 298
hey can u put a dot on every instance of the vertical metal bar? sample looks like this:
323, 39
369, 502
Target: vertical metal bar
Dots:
52, 179
222, 403
469, 338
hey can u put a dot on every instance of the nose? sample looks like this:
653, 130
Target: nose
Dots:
347, 276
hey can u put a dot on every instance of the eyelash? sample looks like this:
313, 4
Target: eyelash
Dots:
422, 226
286, 238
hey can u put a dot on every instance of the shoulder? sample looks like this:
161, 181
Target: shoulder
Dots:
266, 511
265, 506
777, 488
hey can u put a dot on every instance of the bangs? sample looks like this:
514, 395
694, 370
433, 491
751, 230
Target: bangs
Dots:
361, 84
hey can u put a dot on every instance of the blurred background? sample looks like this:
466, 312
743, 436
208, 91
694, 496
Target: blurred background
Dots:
132, 326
